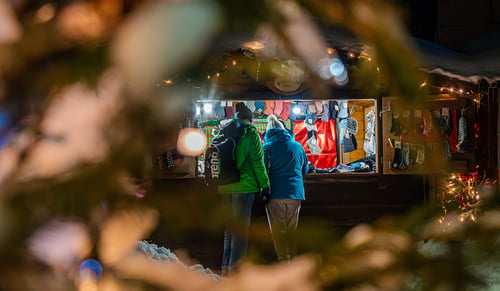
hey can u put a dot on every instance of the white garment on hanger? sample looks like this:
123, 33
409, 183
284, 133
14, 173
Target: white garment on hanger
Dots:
370, 145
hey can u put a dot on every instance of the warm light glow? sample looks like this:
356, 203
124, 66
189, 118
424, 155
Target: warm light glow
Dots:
234, 63
46, 13
330, 51
168, 82
254, 46
191, 142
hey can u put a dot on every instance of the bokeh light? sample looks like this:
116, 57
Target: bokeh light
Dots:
191, 142
91, 267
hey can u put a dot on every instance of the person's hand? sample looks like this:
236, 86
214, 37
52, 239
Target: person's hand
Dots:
264, 195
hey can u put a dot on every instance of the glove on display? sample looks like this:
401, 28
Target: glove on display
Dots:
287, 106
269, 107
405, 122
326, 113
396, 123
333, 109
420, 159
405, 156
398, 155
278, 107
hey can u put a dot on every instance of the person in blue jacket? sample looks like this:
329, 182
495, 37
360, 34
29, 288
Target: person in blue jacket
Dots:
286, 164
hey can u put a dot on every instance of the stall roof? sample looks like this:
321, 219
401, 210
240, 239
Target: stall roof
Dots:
484, 64
480, 59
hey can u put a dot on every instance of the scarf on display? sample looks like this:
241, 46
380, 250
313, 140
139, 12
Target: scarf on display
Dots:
312, 133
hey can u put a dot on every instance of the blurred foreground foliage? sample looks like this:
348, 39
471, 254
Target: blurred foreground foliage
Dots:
85, 107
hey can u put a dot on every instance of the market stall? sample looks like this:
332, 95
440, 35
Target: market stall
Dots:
339, 136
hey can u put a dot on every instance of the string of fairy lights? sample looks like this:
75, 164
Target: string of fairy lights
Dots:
348, 58
461, 195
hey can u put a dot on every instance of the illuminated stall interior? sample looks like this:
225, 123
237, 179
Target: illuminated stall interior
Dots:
339, 136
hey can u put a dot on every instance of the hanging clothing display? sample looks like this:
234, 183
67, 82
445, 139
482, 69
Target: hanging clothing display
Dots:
348, 128
462, 134
316, 124
326, 141
369, 145
312, 133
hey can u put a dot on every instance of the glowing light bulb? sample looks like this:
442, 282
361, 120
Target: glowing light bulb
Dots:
337, 68
296, 110
194, 141
191, 142
207, 108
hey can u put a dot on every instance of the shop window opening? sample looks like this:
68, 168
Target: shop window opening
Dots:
338, 135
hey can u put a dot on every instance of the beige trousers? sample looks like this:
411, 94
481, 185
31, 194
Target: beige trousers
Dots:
283, 217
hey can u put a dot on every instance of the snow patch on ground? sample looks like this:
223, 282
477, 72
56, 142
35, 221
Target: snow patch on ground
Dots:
163, 255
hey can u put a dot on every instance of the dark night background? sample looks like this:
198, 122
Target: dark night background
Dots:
461, 25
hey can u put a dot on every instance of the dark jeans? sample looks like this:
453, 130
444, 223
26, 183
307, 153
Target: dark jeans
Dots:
236, 236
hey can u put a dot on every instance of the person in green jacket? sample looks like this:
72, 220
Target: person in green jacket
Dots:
240, 196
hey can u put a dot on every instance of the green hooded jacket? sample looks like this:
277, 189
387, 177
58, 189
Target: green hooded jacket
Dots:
250, 162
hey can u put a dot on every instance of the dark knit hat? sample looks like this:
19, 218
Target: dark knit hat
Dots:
243, 112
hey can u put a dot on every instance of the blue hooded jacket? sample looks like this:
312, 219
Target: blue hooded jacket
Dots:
286, 163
